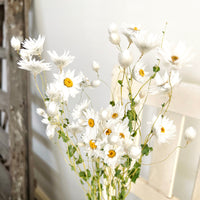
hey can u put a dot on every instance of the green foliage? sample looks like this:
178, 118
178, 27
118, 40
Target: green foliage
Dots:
134, 134
127, 163
61, 111
65, 138
122, 193
112, 103
132, 116
71, 150
134, 172
79, 160
156, 68
146, 149
120, 82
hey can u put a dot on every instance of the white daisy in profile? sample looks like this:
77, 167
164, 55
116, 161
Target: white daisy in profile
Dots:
35, 66
176, 57
166, 82
145, 42
74, 128
15, 43
139, 73
25, 54
131, 149
112, 155
130, 30
164, 129
54, 92
61, 61
190, 134
68, 83
34, 46
79, 109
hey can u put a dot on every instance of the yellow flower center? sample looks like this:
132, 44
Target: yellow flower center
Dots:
122, 135
108, 131
174, 58
115, 115
91, 122
141, 72
111, 153
162, 130
68, 82
136, 29
92, 144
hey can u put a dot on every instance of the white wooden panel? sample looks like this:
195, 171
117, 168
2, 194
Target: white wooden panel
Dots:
162, 175
143, 190
196, 192
185, 100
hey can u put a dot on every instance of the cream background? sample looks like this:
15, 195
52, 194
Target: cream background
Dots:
81, 27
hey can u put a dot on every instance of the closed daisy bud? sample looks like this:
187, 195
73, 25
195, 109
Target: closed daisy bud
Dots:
52, 108
113, 28
190, 134
125, 58
15, 43
95, 66
95, 83
114, 38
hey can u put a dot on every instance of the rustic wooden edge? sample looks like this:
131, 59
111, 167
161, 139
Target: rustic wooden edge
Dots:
3, 100
2, 52
4, 148
143, 190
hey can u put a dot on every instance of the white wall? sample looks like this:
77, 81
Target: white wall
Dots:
81, 27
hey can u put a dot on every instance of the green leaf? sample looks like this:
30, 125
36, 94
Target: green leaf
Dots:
163, 105
156, 68
120, 82
136, 175
130, 125
64, 137
79, 161
131, 114
112, 103
118, 173
71, 150
47, 99
88, 173
146, 149
61, 111
134, 134
72, 168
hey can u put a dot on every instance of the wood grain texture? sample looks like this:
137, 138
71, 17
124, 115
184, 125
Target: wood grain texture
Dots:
4, 147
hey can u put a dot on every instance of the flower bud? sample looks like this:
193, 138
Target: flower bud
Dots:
125, 58
52, 108
95, 66
114, 38
113, 28
95, 83
190, 134
15, 43
104, 114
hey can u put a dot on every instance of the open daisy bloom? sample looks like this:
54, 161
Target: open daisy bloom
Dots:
105, 148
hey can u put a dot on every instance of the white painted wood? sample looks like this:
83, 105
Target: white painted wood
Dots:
145, 191
162, 175
2, 50
196, 192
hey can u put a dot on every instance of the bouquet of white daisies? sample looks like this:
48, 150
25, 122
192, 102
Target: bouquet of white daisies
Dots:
101, 146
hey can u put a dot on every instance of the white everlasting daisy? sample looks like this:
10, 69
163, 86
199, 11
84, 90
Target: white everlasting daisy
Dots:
54, 92
15, 43
68, 83
166, 82
164, 129
176, 57
139, 72
132, 150
113, 155
52, 108
78, 111
74, 128
33, 65
25, 54
61, 61
130, 30
34, 46
190, 134
125, 58
114, 38
145, 42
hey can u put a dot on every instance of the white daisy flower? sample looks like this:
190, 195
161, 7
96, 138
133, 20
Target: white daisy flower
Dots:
78, 111
84, 81
114, 38
164, 83
139, 72
145, 42
130, 30
25, 54
176, 57
15, 43
35, 66
125, 58
190, 134
34, 46
54, 93
93, 149
112, 155
61, 61
164, 129
68, 83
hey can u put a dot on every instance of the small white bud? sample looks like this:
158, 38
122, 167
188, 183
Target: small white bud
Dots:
190, 134
95, 83
113, 28
52, 108
95, 66
41, 112
135, 152
114, 38
125, 58
50, 131
142, 95
15, 43
104, 114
